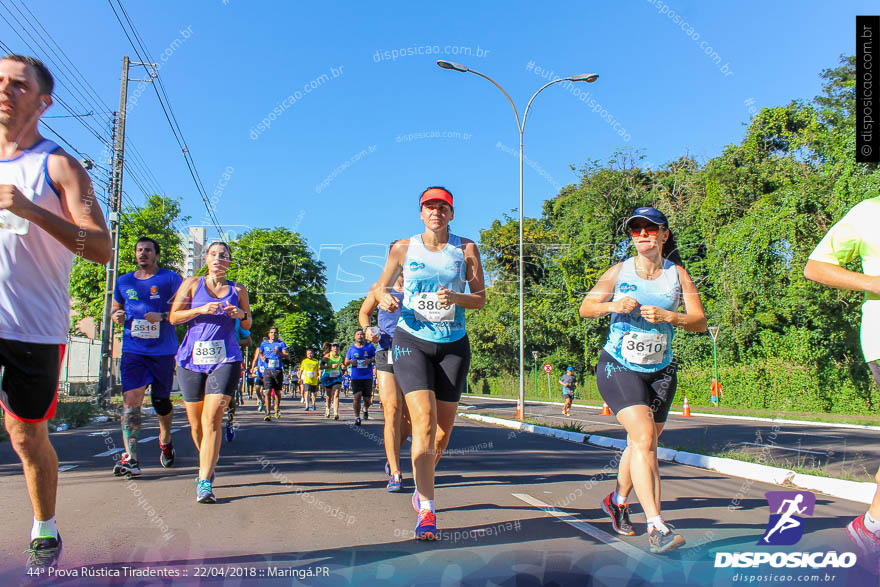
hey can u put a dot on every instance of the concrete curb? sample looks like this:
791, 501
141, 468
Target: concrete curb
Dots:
701, 414
861, 492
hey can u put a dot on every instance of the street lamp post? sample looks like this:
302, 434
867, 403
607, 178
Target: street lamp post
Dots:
535, 369
520, 126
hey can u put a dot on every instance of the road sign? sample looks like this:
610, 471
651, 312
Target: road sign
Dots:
548, 368
713, 331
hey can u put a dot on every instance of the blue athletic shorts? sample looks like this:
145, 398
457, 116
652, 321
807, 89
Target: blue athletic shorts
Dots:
140, 370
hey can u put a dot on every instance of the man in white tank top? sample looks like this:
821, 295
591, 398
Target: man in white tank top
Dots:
48, 213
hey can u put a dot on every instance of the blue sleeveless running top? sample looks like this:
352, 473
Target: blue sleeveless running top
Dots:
387, 322
634, 342
424, 271
210, 340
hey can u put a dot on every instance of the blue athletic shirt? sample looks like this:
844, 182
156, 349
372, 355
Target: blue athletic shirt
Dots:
424, 271
140, 296
365, 353
272, 353
634, 342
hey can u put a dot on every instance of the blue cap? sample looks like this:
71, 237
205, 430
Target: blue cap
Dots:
650, 214
570, 369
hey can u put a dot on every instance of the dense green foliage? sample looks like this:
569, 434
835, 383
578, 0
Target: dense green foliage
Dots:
745, 222
154, 219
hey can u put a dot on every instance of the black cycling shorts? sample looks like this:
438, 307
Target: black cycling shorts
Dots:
438, 367
363, 387
29, 389
621, 387
273, 379
222, 380
382, 361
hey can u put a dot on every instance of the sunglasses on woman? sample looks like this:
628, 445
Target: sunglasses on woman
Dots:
650, 229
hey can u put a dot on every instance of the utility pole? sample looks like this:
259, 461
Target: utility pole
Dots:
113, 265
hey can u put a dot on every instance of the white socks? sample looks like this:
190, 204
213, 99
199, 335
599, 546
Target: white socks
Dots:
618, 499
657, 523
45, 529
871, 524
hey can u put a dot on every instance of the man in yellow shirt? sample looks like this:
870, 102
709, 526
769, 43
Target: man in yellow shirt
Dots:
309, 373
854, 237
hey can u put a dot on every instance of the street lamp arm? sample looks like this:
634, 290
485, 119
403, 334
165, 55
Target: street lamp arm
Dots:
506, 95
541, 89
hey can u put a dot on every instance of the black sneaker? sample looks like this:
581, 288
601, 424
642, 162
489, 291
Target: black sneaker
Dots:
42, 554
660, 542
357, 421
126, 466
619, 516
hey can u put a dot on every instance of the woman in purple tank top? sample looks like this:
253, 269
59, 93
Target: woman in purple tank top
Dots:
209, 358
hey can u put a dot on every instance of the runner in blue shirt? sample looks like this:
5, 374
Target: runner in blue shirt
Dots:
141, 302
360, 359
273, 352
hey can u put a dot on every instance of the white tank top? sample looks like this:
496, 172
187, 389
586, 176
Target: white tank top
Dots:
34, 267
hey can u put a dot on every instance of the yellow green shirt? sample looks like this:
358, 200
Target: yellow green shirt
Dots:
311, 370
855, 236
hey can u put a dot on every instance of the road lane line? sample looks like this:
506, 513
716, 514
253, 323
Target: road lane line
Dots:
631, 551
107, 453
147, 439
63, 468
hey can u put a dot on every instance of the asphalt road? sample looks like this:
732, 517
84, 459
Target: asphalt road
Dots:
840, 452
305, 497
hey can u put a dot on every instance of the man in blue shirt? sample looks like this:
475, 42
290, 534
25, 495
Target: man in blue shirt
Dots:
360, 359
141, 302
273, 352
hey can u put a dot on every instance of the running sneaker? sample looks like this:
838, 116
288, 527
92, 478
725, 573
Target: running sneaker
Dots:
427, 526
619, 516
366, 414
43, 553
395, 484
259, 406
230, 432
204, 492
867, 542
267, 418
212, 479
357, 421
166, 455
327, 413
661, 542
335, 416
387, 469
126, 466
277, 414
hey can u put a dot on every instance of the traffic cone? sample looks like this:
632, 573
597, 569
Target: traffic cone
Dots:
686, 408
519, 410
606, 411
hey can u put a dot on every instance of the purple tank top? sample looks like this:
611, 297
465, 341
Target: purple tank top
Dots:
210, 340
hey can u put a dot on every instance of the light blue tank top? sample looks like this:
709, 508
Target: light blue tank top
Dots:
424, 272
633, 341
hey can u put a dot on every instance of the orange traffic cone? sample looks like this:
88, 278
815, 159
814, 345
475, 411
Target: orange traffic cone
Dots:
606, 411
519, 410
686, 408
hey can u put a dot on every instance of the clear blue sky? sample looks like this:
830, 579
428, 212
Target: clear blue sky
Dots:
344, 163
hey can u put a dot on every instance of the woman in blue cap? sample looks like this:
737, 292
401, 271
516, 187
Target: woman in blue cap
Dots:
636, 374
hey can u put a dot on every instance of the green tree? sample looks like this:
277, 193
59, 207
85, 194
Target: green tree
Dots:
155, 220
347, 323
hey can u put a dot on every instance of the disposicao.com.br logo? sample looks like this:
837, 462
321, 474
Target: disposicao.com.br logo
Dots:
785, 528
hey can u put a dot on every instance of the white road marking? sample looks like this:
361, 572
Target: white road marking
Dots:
63, 468
107, 453
147, 439
815, 452
590, 530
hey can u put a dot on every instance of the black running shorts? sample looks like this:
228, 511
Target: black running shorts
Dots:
382, 361
29, 388
363, 387
621, 388
273, 379
438, 367
222, 380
